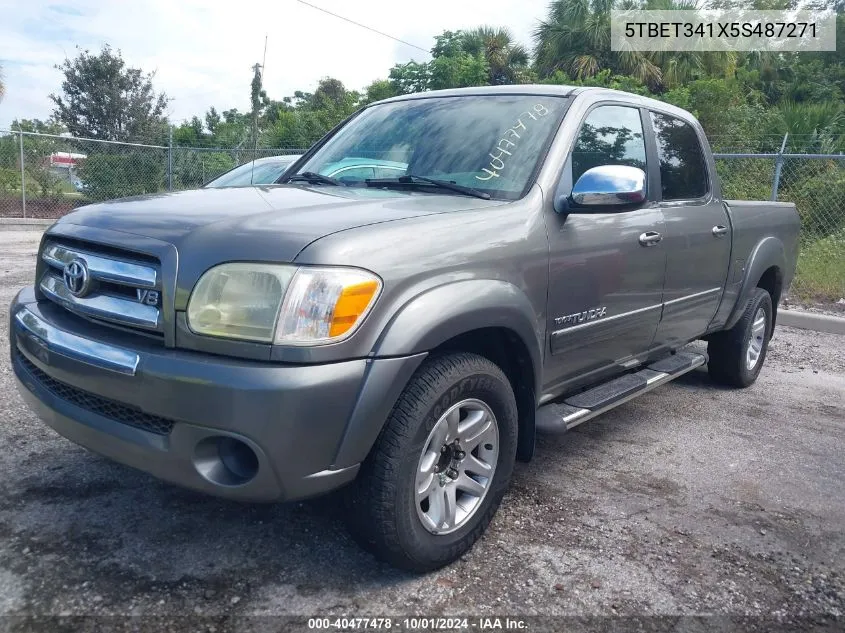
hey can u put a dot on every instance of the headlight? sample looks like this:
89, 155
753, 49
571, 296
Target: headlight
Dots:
282, 304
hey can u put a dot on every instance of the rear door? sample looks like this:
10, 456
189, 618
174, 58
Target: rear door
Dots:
605, 282
697, 235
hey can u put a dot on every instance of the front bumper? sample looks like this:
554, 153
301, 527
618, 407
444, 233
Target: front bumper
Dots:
303, 428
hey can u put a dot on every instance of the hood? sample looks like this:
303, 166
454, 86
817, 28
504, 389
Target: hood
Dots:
272, 223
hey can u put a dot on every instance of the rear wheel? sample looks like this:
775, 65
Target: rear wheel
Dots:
737, 355
440, 466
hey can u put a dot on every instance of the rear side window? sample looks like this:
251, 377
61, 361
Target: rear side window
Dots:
610, 135
683, 174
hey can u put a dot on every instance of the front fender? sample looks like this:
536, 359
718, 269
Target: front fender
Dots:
768, 252
421, 325
453, 309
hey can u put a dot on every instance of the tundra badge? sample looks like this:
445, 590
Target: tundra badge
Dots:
581, 317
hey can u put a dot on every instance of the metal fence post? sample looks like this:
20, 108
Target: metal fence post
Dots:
170, 160
778, 167
23, 175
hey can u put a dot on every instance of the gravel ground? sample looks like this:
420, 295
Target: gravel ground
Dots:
690, 501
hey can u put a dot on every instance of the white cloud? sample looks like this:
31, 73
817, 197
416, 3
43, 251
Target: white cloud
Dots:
202, 52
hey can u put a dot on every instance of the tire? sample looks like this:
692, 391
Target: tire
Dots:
731, 352
385, 512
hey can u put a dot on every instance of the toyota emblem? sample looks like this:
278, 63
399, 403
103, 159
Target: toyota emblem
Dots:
77, 278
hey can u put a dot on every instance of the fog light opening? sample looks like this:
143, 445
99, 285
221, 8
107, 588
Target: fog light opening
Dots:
238, 458
225, 461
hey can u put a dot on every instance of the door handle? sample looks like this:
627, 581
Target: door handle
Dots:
650, 238
719, 230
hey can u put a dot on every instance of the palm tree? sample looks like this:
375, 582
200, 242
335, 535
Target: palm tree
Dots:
575, 38
811, 127
507, 60
2, 85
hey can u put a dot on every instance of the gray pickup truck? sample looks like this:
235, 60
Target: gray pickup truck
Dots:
546, 255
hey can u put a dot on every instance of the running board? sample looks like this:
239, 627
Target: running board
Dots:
559, 417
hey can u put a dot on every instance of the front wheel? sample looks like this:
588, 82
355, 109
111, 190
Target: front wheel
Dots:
440, 466
737, 355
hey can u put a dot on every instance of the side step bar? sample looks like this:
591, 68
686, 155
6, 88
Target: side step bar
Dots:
559, 417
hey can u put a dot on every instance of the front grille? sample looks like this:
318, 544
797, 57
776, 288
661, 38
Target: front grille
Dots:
102, 406
118, 288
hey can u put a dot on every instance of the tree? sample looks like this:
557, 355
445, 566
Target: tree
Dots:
575, 38
103, 98
36, 154
458, 71
482, 56
410, 77
507, 61
2, 84
212, 120
378, 90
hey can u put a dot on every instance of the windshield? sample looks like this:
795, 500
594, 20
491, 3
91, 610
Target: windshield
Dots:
489, 143
265, 172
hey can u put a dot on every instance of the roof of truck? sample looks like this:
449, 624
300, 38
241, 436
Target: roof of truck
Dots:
519, 89
546, 90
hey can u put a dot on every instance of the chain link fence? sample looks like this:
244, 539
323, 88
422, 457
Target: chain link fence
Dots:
46, 176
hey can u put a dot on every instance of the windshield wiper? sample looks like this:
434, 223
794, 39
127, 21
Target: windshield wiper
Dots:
314, 178
411, 179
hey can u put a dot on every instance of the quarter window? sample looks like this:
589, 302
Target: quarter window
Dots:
683, 174
610, 135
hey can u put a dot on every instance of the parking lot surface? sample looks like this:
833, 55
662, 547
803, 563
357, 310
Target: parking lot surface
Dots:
692, 499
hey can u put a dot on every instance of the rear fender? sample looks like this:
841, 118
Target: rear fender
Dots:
768, 252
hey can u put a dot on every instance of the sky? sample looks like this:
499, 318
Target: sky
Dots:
202, 51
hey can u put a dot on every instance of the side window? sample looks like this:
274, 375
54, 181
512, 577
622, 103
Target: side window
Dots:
610, 135
683, 173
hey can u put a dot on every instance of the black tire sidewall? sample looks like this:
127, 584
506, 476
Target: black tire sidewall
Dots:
414, 538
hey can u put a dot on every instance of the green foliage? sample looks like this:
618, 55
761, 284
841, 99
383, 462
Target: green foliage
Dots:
378, 90
410, 77
811, 119
193, 168
102, 98
575, 39
603, 79
484, 56
108, 176
820, 275
733, 116
507, 62
746, 178
460, 71
10, 180
820, 199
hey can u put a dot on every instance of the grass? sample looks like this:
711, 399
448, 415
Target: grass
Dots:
820, 274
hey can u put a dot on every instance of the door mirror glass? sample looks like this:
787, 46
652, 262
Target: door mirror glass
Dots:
608, 186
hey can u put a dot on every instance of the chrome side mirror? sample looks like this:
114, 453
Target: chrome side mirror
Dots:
609, 186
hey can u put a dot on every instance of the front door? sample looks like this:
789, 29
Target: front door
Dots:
697, 236
605, 282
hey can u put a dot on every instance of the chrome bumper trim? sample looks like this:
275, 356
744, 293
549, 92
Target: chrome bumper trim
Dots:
76, 347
